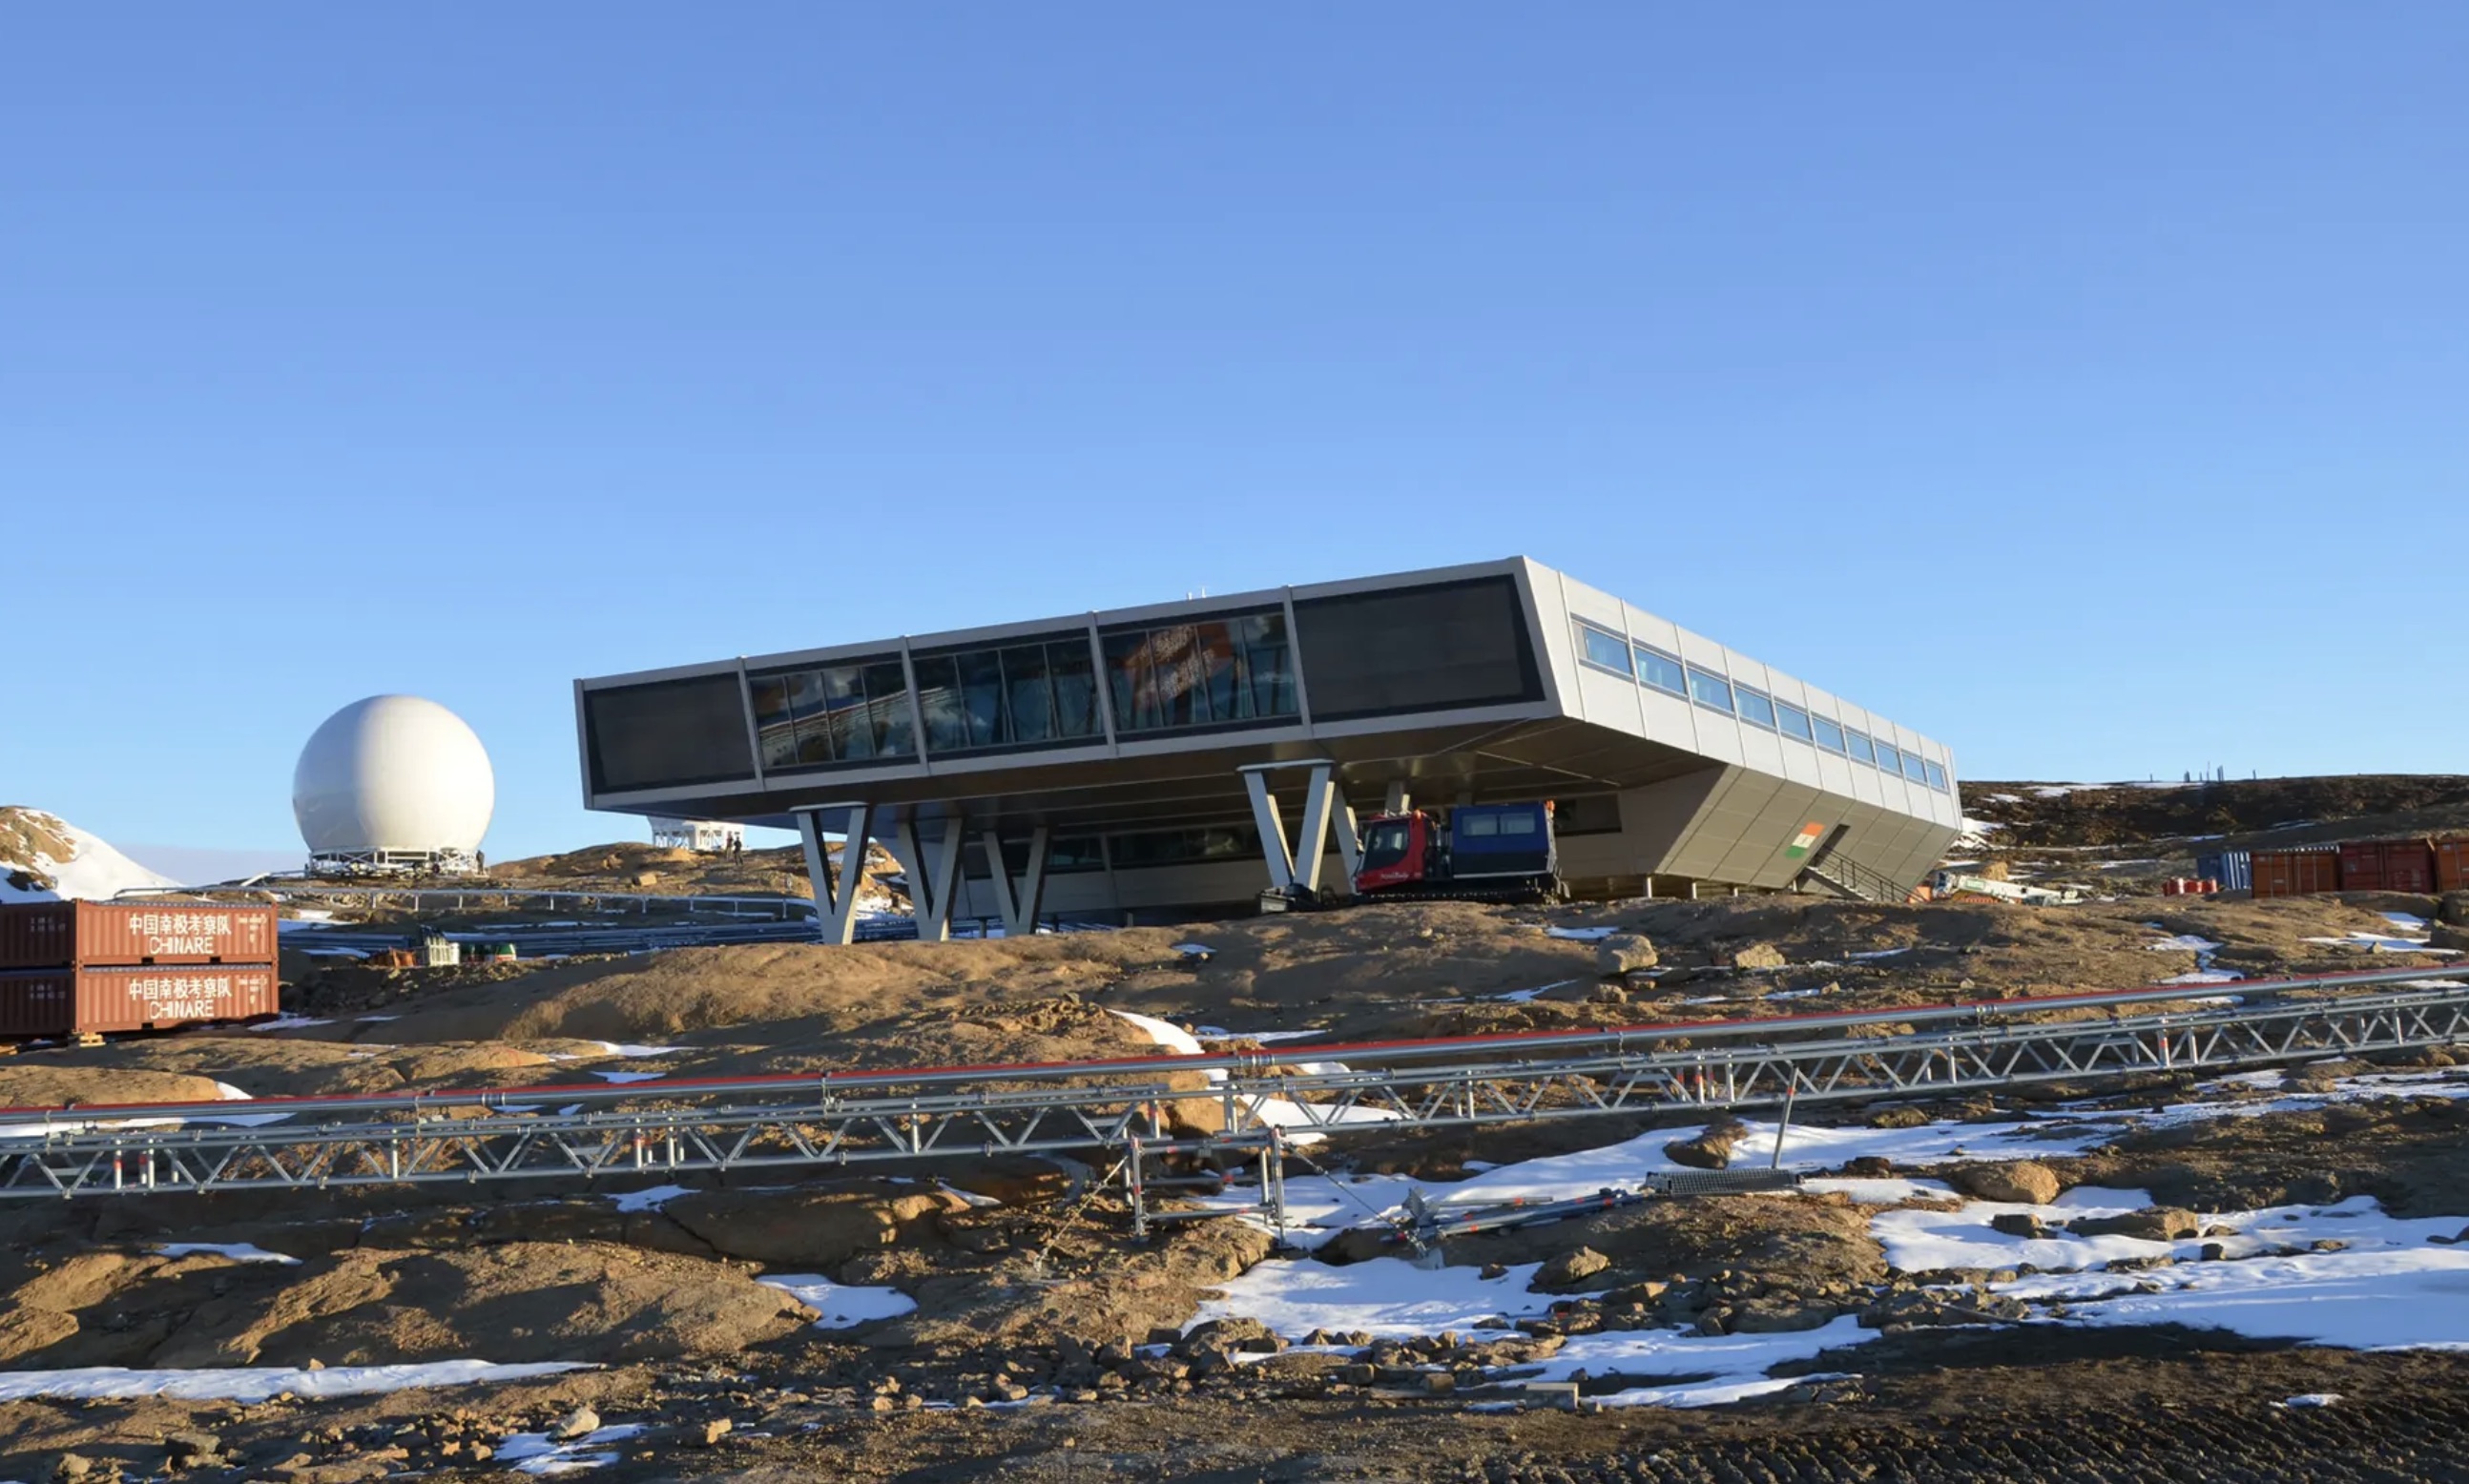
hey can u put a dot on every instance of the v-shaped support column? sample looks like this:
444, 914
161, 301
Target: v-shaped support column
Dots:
1295, 869
835, 903
1019, 905
933, 879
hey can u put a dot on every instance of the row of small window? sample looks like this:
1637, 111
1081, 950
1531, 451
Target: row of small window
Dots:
1219, 673
1603, 649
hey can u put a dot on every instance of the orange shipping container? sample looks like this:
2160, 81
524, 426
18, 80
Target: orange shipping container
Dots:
2451, 865
2296, 872
2388, 865
56, 934
83, 1001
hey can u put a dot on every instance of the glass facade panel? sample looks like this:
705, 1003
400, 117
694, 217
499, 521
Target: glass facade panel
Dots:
1605, 650
981, 697
1010, 696
1794, 720
1028, 693
834, 714
1936, 777
1755, 706
1889, 761
666, 733
1661, 671
1184, 847
1912, 769
1434, 648
1708, 690
1069, 671
1830, 733
1859, 748
1220, 671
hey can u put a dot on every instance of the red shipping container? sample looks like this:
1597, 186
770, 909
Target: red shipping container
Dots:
57, 934
82, 1001
2388, 865
2451, 865
2296, 872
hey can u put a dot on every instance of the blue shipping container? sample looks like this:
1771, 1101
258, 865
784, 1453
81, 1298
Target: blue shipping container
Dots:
2234, 869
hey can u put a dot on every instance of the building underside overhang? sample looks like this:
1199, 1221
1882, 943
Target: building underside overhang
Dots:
1535, 758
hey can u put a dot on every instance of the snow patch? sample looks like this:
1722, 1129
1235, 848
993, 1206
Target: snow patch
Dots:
288, 1022
841, 1305
650, 1198
236, 1251
2382, 943
539, 1454
1385, 1297
1173, 1037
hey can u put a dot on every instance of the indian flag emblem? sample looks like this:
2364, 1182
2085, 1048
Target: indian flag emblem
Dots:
1806, 837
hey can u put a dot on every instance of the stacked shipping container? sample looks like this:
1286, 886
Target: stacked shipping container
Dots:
2418, 866
2296, 871
82, 967
2388, 865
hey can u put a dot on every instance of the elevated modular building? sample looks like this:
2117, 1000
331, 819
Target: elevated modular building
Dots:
1186, 756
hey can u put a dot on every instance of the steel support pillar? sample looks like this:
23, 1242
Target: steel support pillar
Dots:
1400, 799
934, 882
1019, 902
835, 903
1295, 869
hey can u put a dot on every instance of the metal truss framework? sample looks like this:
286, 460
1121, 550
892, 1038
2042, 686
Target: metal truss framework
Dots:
1127, 1106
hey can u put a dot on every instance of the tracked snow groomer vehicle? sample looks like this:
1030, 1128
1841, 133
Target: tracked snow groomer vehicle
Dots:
1477, 853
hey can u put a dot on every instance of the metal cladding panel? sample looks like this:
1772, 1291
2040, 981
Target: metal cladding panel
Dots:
1800, 763
1644, 628
1761, 749
1729, 814
1669, 718
1759, 856
1747, 671
1659, 817
1928, 847
1608, 700
1865, 785
56, 934
1584, 856
90, 1002
1834, 774
1699, 650
1719, 736
1557, 656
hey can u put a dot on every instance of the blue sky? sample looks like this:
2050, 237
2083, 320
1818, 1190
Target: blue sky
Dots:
2083, 387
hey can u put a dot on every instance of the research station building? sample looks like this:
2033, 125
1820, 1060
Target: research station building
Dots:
1181, 758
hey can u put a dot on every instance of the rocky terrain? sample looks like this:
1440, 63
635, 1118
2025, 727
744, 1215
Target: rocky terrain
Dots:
2070, 1282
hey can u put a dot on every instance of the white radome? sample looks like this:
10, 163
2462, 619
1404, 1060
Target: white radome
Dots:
393, 773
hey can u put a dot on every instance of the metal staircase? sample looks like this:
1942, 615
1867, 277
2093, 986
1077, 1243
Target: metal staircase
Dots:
1853, 881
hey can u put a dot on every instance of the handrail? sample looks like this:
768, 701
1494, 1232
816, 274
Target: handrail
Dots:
1989, 1016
